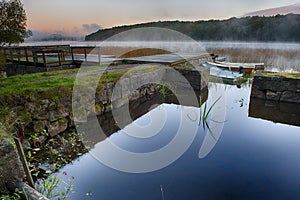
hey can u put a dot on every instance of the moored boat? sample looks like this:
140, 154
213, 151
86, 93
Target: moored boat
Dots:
217, 72
257, 66
240, 68
223, 73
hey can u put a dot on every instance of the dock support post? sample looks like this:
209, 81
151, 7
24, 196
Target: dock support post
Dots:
72, 54
11, 55
99, 56
59, 59
5, 56
26, 56
24, 162
19, 56
34, 56
44, 60
85, 56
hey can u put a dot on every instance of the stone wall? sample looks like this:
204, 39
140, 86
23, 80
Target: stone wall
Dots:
10, 165
276, 88
56, 116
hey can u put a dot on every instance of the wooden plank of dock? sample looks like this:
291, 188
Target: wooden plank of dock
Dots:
169, 59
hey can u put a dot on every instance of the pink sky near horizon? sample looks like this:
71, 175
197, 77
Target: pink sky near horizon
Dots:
69, 16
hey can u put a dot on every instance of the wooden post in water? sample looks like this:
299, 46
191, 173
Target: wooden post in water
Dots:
24, 162
44, 60
85, 56
5, 55
99, 56
11, 55
26, 56
34, 57
59, 60
19, 55
72, 54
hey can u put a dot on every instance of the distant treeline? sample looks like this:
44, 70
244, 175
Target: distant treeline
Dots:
276, 28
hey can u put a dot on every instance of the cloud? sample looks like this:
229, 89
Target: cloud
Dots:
71, 34
53, 36
89, 28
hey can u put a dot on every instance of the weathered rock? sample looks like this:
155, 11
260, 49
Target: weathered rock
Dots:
10, 165
39, 126
98, 109
134, 95
57, 127
40, 140
258, 93
43, 115
23, 116
274, 96
289, 96
44, 104
55, 115
79, 113
52, 106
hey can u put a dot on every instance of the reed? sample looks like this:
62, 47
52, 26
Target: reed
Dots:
280, 60
205, 112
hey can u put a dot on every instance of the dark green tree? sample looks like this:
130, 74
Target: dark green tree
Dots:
12, 22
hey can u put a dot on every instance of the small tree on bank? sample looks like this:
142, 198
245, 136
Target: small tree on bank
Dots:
12, 22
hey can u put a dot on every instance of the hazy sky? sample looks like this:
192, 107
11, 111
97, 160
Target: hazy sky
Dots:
71, 15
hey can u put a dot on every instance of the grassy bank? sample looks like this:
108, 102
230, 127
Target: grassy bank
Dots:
48, 84
282, 74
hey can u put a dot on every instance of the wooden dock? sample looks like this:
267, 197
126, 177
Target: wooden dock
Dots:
30, 59
50, 56
168, 59
39, 56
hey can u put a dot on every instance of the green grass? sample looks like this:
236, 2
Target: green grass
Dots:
21, 85
53, 85
282, 74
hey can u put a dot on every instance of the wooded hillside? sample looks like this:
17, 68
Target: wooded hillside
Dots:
276, 28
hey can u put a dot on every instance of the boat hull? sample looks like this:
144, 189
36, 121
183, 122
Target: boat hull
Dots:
244, 69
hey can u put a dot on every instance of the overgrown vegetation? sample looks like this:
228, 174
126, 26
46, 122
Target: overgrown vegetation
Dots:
282, 74
275, 28
17, 195
51, 187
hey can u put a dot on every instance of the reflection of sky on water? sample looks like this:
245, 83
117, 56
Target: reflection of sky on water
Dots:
160, 139
253, 159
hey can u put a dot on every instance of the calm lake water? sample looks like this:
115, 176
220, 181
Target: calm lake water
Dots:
242, 157
207, 44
